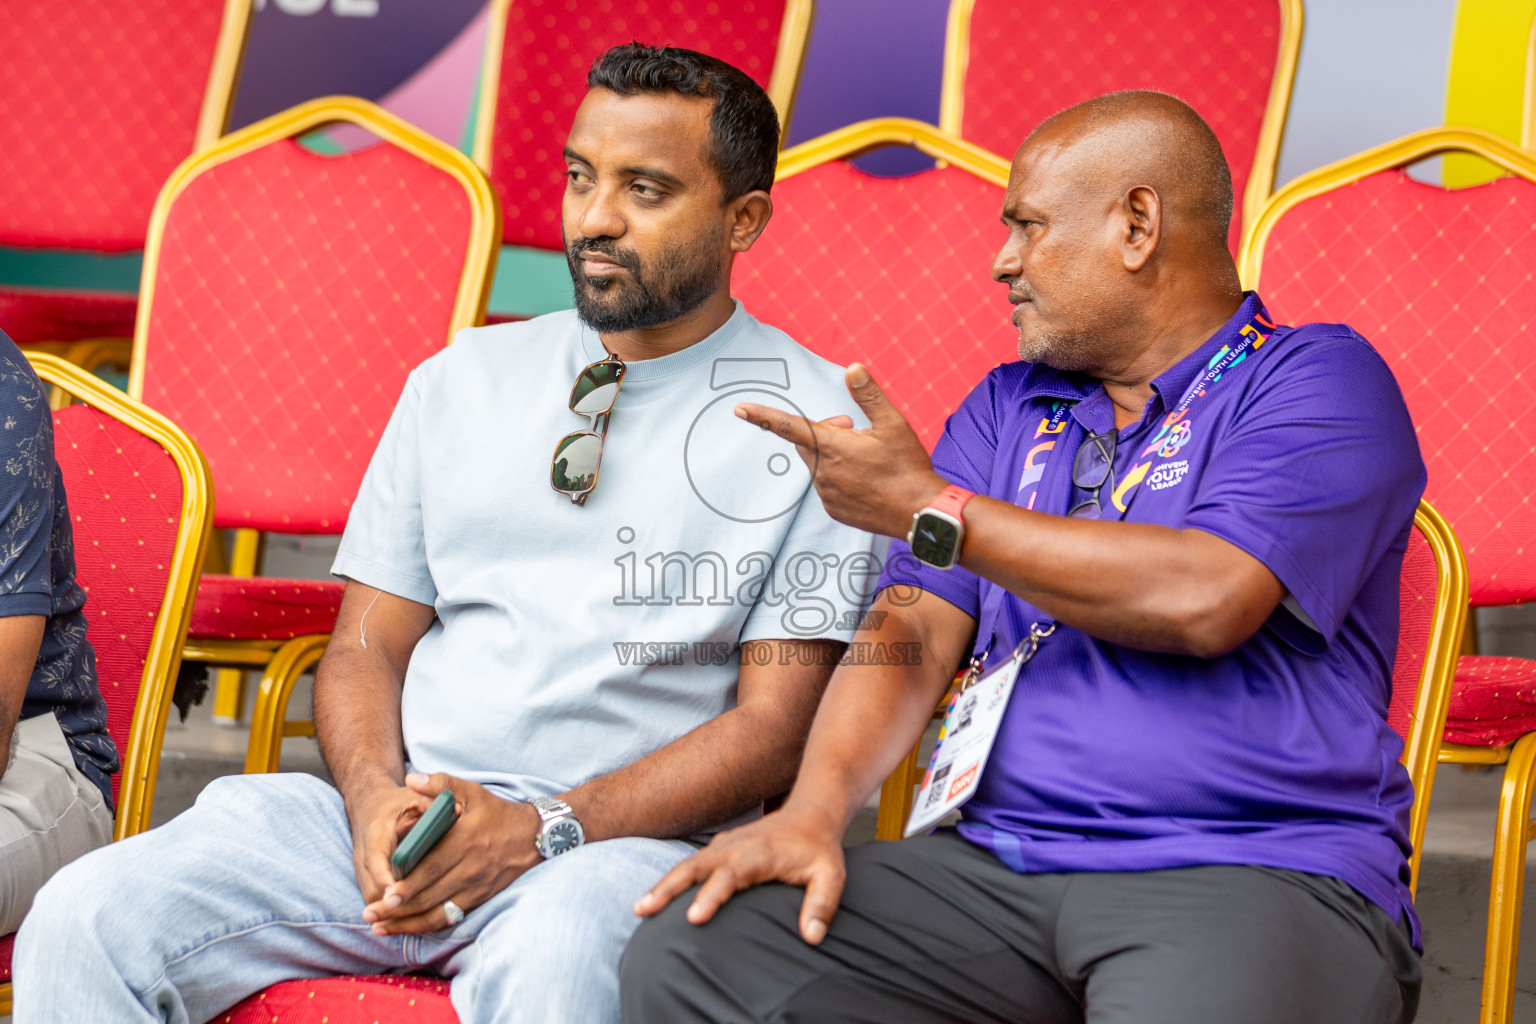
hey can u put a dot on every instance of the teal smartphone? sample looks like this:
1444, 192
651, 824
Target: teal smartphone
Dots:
425, 834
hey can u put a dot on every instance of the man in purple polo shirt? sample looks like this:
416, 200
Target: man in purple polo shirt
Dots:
1193, 808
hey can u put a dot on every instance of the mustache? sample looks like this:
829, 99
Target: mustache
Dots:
608, 248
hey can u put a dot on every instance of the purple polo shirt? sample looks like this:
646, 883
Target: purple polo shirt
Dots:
1278, 754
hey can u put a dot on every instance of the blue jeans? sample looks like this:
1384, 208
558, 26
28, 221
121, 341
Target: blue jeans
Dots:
255, 885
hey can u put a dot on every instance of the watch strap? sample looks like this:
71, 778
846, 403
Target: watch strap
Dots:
951, 500
550, 808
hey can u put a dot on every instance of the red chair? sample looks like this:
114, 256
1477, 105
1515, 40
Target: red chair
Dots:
893, 272
102, 101
537, 56
142, 504
286, 297
1440, 281
1009, 64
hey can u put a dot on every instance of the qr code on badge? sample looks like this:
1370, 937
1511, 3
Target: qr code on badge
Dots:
936, 790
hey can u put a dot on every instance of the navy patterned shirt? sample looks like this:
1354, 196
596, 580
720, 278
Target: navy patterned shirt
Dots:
37, 570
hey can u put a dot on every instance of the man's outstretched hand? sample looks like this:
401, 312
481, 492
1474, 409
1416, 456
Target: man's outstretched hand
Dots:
873, 479
782, 847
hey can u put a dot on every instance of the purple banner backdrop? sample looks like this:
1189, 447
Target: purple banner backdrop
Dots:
300, 49
872, 58
420, 58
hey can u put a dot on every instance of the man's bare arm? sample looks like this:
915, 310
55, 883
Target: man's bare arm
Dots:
869, 719
357, 722
1150, 587
21, 636
727, 765
358, 685
1154, 588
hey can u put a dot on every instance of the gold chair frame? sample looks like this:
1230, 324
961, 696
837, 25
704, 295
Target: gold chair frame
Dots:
794, 34
484, 245
1513, 830
141, 759
862, 136
1266, 155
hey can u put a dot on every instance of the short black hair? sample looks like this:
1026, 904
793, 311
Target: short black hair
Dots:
743, 127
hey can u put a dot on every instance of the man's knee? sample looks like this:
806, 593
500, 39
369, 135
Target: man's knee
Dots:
660, 966
260, 796
86, 903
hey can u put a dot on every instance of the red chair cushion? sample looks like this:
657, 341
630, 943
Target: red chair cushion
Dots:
382, 999
1030, 58
34, 315
258, 608
548, 47
101, 104
1493, 703
7, 947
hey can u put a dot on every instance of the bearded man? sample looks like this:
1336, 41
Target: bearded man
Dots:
1180, 526
599, 666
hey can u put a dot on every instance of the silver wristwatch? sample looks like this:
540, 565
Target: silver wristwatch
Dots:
559, 831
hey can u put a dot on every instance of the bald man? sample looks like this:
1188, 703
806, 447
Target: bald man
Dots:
1194, 519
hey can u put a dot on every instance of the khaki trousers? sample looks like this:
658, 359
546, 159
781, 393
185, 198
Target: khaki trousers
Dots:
50, 813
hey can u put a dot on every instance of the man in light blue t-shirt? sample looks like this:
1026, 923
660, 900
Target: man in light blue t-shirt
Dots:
582, 595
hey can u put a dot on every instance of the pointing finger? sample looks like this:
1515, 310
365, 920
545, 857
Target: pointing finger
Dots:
790, 427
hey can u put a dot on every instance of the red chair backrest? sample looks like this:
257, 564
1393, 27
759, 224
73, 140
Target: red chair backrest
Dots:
1023, 60
288, 297
891, 272
545, 52
125, 500
102, 100
1440, 282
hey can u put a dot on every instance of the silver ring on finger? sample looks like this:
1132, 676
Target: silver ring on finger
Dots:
452, 912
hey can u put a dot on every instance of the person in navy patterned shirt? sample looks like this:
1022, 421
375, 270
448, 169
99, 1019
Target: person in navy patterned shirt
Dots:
56, 756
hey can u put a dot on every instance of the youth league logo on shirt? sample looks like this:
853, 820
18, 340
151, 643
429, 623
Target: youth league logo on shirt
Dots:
1176, 438
1168, 474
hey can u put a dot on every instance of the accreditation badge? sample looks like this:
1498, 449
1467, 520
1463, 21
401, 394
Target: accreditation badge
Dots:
970, 727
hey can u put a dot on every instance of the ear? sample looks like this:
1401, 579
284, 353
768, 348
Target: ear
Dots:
746, 217
1142, 209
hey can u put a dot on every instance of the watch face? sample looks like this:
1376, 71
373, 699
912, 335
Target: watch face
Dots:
935, 540
561, 837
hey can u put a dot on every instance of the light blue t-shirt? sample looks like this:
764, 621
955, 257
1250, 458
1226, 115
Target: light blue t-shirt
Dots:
573, 640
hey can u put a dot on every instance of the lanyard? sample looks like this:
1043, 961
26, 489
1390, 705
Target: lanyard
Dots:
1250, 339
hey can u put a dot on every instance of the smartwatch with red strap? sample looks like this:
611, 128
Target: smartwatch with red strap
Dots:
938, 530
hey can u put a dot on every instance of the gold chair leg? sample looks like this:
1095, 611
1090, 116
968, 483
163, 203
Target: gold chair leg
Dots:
229, 684
268, 721
1507, 888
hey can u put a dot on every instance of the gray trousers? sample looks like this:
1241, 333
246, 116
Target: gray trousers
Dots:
937, 930
50, 813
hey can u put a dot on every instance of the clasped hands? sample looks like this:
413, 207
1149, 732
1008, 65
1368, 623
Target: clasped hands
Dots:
488, 847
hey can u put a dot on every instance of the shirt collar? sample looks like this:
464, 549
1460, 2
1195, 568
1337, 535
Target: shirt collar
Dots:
1173, 382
